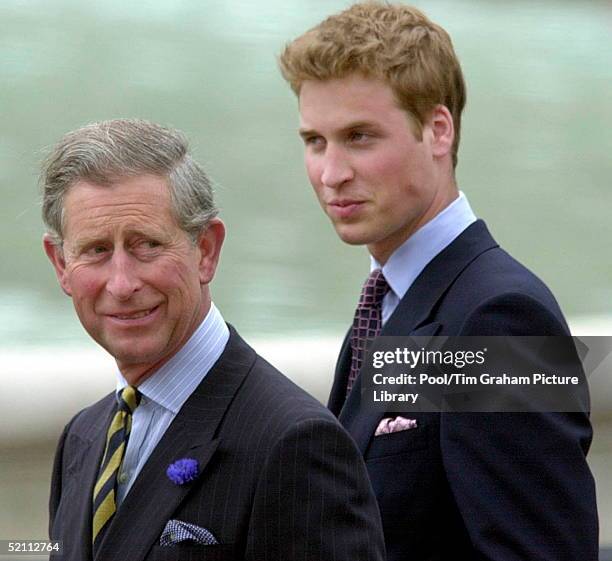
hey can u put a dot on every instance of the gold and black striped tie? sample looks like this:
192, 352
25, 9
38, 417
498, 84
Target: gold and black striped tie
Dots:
104, 502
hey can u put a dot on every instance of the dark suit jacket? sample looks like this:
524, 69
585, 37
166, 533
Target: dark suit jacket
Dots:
498, 486
279, 478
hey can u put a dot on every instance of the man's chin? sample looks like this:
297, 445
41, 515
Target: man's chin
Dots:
131, 359
351, 236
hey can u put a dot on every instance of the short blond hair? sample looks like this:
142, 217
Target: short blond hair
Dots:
392, 42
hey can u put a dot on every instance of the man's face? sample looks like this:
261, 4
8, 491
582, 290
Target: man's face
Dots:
374, 179
137, 281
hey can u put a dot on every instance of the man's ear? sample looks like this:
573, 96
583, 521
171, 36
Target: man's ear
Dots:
209, 243
55, 253
443, 131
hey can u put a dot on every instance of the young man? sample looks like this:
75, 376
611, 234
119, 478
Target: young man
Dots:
380, 95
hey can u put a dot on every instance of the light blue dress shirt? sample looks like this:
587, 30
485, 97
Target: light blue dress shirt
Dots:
409, 259
165, 392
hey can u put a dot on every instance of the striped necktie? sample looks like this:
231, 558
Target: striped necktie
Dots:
367, 323
104, 503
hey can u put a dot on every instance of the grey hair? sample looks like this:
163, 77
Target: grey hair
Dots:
105, 152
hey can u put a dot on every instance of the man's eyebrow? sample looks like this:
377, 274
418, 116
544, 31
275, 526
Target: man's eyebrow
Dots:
85, 241
359, 125
145, 231
307, 132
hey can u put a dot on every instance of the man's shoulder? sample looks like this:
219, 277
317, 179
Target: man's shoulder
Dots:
271, 415
495, 287
478, 262
471, 272
473, 282
496, 270
281, 396
86, 420
262, 385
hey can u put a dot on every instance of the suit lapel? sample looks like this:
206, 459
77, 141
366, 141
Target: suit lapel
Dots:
337, 395
433, 282
410, 318
153, 498
82, 473
357, 416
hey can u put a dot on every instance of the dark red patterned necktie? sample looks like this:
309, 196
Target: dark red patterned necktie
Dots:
368, 321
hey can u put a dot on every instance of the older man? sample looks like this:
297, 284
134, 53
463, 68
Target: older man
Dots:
380, 98
204, 451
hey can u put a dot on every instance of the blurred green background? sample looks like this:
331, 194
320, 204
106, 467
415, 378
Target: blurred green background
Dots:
534, 160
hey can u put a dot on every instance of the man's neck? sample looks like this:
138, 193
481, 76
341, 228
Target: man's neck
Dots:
382, 251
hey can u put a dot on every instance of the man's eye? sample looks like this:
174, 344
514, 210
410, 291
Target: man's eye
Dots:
147, 245
314, 140
357, 136
97, 250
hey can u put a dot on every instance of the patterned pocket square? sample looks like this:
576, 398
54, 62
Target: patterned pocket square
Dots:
389, 425
177, 531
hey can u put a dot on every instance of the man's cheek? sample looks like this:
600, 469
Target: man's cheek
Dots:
84, 281
318, 193
313, 175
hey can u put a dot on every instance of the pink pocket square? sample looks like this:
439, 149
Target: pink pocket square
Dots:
389, 425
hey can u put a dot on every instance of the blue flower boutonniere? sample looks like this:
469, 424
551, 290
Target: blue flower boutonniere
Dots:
183, 471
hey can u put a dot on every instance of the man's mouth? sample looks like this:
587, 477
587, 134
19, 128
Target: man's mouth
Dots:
134, 315
344, 202
344, 208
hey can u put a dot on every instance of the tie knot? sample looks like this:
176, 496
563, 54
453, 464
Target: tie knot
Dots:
374, 289
129, 398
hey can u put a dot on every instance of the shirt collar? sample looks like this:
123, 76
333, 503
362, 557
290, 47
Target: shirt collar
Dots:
175, 381
409, 259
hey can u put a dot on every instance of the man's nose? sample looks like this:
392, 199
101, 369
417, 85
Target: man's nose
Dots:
337, 168
123, 279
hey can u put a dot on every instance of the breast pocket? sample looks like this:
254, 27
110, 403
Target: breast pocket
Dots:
397, 443
221, 552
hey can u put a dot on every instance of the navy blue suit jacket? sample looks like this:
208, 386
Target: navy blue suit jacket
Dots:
495, 486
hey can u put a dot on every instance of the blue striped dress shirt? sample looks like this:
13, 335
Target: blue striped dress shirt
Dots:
165, 392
